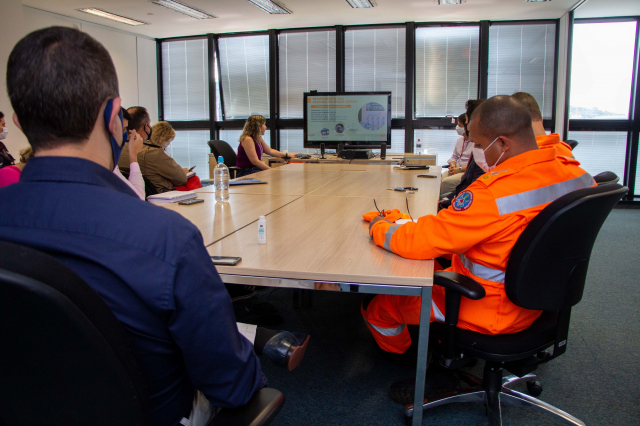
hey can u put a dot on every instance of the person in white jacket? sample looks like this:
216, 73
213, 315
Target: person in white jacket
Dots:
459, 160
135, 180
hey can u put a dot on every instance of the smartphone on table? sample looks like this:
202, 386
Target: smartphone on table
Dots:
191, 201
225, 260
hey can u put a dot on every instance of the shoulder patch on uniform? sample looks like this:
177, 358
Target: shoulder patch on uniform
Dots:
490, 177
462, 201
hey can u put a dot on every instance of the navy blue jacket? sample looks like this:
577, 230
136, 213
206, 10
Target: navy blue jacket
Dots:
150, 266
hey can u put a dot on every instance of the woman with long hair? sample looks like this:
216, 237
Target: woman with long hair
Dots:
252, 146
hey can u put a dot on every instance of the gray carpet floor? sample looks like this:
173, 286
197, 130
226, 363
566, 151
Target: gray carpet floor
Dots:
344, 381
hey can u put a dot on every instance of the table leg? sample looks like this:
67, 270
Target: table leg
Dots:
423, 346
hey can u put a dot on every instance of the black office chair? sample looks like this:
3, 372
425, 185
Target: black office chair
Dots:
66, 359
219, 148
546, 271
149, 188
572, 143
606, 178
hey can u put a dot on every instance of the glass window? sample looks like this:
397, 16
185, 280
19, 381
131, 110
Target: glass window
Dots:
440, 142
521, 59
244, 63
375, 62
307, 62
397, 141
599, 152
601, 68
292, 140
232, 138
446, 70
185, 82
190, 148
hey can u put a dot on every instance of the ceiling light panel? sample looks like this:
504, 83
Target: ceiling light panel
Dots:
176, 6
444, 2
271, 6
535, 1
112, 16
357, 4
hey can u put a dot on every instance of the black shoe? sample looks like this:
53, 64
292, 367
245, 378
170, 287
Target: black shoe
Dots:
286, 349
439, 380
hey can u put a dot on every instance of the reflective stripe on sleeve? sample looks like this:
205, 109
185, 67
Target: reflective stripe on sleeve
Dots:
388, 235
482, 271
540, 196
388, 331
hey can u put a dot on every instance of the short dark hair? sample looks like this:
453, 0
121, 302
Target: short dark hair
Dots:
139, 117
530, 102
462, 118
503, 115
1, 114
125, 114
57, 79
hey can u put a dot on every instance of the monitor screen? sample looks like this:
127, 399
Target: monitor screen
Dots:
350, 118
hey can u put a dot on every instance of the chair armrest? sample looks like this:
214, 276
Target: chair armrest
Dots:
461, 284
234, 171
261, 409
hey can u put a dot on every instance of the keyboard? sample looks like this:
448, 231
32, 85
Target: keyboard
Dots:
302, 156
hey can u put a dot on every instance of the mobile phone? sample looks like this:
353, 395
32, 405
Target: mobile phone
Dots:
225, 260
429, 176
191, 169
191, 201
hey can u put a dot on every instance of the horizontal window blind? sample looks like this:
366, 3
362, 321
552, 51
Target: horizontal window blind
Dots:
599, 152
244, 63
231, 137
440, 142
446, 70
189, 149
375, 62
185, 82
521, 59
307, 61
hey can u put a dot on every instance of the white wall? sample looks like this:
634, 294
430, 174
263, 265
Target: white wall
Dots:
134, 58
12, 31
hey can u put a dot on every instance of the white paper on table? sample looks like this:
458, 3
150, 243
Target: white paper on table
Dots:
248, 331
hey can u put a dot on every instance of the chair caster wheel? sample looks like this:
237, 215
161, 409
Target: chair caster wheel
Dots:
534, 388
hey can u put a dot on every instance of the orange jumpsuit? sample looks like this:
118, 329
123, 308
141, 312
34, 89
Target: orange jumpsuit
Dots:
553, 140
479, 228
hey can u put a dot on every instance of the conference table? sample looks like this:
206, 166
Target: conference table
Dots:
316, 236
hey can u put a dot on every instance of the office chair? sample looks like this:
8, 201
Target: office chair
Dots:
219, 148
606, 178
546, 271
572, 143
149, 188
67, 360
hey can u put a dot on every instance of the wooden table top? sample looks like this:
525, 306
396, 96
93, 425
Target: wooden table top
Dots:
217, 220
324, 238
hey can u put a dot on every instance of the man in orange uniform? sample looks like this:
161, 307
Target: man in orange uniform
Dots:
479, 228
544, 141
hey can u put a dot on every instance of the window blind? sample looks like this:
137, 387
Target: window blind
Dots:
521, 59
244, 63
446, 70
601, 151
440, 142
189, 149
307, 61
185, 82
231, 137
375, 62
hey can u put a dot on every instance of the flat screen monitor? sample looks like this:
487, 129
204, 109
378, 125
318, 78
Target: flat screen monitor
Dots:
349, 118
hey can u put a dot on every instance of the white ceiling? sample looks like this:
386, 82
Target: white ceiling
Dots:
240, 15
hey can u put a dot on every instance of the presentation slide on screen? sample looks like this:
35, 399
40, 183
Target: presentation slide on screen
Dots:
347, 118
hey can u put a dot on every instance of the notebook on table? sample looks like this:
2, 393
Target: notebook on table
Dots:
245, 182
172, 196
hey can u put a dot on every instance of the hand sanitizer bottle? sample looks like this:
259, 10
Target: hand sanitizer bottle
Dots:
262, 230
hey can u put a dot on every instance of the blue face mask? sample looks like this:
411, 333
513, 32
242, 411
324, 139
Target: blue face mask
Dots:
115, 148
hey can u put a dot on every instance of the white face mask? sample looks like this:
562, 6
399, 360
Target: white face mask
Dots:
4, 133
478, 156
460, 130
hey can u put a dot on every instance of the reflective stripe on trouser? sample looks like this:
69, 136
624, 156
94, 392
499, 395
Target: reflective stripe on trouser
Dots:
537, 197
387, 316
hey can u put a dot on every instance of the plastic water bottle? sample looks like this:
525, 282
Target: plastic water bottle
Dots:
262, 230
221, 181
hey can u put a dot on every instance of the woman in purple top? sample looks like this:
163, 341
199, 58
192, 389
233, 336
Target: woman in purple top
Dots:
252, 146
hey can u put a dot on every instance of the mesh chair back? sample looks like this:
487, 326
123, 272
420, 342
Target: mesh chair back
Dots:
219, 148
66, 359
548, 264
